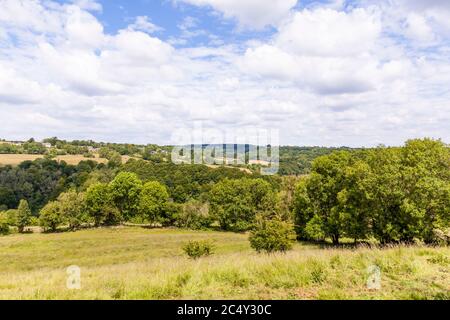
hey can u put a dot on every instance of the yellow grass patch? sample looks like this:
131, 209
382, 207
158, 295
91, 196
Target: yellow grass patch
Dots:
136, 263
16, 159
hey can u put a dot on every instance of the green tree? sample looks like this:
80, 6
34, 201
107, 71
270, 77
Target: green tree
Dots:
115, 160
323, 187
23, 215
50, 217
125, 193
303, 209
73, 209
4, 223
235, 203
354, 202
153, 201
99, 205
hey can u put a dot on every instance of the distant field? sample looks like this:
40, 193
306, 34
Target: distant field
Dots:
15, 159
136, 263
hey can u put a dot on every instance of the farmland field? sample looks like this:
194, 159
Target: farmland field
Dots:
139, 263
16, 159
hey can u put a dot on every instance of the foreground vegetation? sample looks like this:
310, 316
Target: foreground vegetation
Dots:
137, 263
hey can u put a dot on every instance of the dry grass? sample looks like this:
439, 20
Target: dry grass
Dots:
135, 263
16, 159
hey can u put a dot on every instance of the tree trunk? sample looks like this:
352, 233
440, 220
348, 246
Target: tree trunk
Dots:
335, 239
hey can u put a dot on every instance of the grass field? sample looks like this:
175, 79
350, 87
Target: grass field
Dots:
136, 263
16, 159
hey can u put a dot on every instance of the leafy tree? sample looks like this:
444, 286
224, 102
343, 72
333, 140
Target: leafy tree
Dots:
115, 160
11, 214
125, 193
303, 209
72, 207
171, 212
41, 181
4, 223
99, 205
50, 217
104, 152
272, 235
153, 201
323, 188
235, 202
394, 194
313, 229
353, 200
23, 215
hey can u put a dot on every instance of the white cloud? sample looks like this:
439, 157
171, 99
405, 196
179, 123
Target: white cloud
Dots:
417, 28
322, 49
327, 32
253, 14
91, 5
327, 76
83, 29
143, 23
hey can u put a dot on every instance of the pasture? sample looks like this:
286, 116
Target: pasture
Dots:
139, 263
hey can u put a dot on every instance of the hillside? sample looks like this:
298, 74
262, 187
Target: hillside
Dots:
136, 263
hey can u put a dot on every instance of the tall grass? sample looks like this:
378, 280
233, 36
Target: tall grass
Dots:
134, 263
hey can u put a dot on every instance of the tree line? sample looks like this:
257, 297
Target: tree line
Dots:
389, 195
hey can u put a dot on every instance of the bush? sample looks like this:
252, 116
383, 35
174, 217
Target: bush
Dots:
198, 249
441, 237
4, 224
272, 235
194, 215
34, 221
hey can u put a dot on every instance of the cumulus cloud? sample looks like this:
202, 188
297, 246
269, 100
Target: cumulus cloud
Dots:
143, 23
325, 50
326, 75
91, 5
253, 14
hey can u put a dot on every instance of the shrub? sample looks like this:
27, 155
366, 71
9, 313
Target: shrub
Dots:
4, 224
194, 215
272, 235
34, 221
441, 237
198, 249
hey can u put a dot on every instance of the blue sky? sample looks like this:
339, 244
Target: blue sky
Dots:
170, 15
332, 73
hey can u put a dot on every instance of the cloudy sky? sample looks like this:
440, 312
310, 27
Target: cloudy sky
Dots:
332, 73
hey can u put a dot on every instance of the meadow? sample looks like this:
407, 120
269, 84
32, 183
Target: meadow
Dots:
140, 263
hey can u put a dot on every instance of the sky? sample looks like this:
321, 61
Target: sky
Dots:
327, 73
